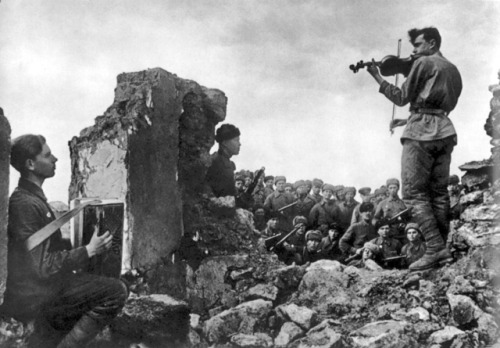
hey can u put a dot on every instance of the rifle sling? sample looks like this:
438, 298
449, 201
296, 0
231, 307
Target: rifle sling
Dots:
45, 232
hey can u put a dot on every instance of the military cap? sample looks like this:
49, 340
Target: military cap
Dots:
317, 182
289, 184
392, 181
335, 226
453, 180
414, 226
308, 183
314, 235
279, 178
365, 206
382, 190
374, 248
328, 187
298, 184
376, 193
239, 178
350, 189
299, 219
382, 222
226, 132
268, 177
339, 188
365, 191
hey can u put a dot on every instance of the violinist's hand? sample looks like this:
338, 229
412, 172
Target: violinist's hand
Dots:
397, 122
373, 70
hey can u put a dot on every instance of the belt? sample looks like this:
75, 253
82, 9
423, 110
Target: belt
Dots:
438, 112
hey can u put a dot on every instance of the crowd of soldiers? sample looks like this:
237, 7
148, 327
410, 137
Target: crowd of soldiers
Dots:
311, 220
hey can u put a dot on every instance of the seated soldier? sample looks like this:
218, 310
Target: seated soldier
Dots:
278, 201
389, 247
271, 227
220, 174
370, 253
259, 219
391, 206
330, 244
294, 242
325, 213
358, 234
311, 252
415, 248
48, 282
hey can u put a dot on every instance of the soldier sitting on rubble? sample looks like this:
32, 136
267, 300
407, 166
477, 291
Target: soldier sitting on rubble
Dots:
220, 174
311, 252
391, 206
389, 247
415, 248
358, 234
47, 281
330, 244
370, 252
295, 242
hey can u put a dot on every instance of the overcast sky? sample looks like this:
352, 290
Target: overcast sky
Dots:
282, 64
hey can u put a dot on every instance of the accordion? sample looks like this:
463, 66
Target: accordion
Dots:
107, 215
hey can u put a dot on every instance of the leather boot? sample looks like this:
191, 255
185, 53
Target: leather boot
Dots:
430, 260
82, 333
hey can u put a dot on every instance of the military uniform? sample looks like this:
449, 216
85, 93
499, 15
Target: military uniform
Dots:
220, 175
346, 211
324, 213
356, 237
278, 200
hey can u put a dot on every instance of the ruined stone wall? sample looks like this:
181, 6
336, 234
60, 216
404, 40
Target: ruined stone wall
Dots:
151, 150
4, 195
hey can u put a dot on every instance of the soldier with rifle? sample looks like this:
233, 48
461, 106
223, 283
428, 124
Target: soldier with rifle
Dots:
280, 199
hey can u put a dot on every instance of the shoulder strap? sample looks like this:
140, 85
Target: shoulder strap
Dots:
45, 232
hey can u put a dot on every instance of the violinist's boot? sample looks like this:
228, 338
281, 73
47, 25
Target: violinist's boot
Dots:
82, 333
431, 260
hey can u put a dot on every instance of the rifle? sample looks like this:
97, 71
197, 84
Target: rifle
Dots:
287, 206
404, 215
255, 181
282, 240
393, 258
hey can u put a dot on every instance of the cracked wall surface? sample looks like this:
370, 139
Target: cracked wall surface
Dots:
151, 150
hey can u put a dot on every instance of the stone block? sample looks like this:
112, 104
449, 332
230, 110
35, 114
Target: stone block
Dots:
382, 334
4, 195
153, 319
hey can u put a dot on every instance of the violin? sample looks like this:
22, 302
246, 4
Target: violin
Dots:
389, 65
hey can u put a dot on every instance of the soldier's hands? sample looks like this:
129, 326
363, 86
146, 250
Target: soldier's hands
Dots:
99, 244
359, 251
373, 69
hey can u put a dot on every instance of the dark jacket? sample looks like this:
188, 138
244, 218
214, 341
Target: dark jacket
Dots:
34, 276
220, 175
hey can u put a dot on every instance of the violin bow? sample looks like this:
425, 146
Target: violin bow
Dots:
391, 128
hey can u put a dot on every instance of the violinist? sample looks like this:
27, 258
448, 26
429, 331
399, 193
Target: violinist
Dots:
432, 88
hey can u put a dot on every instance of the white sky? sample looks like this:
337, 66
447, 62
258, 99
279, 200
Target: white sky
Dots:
282, 64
